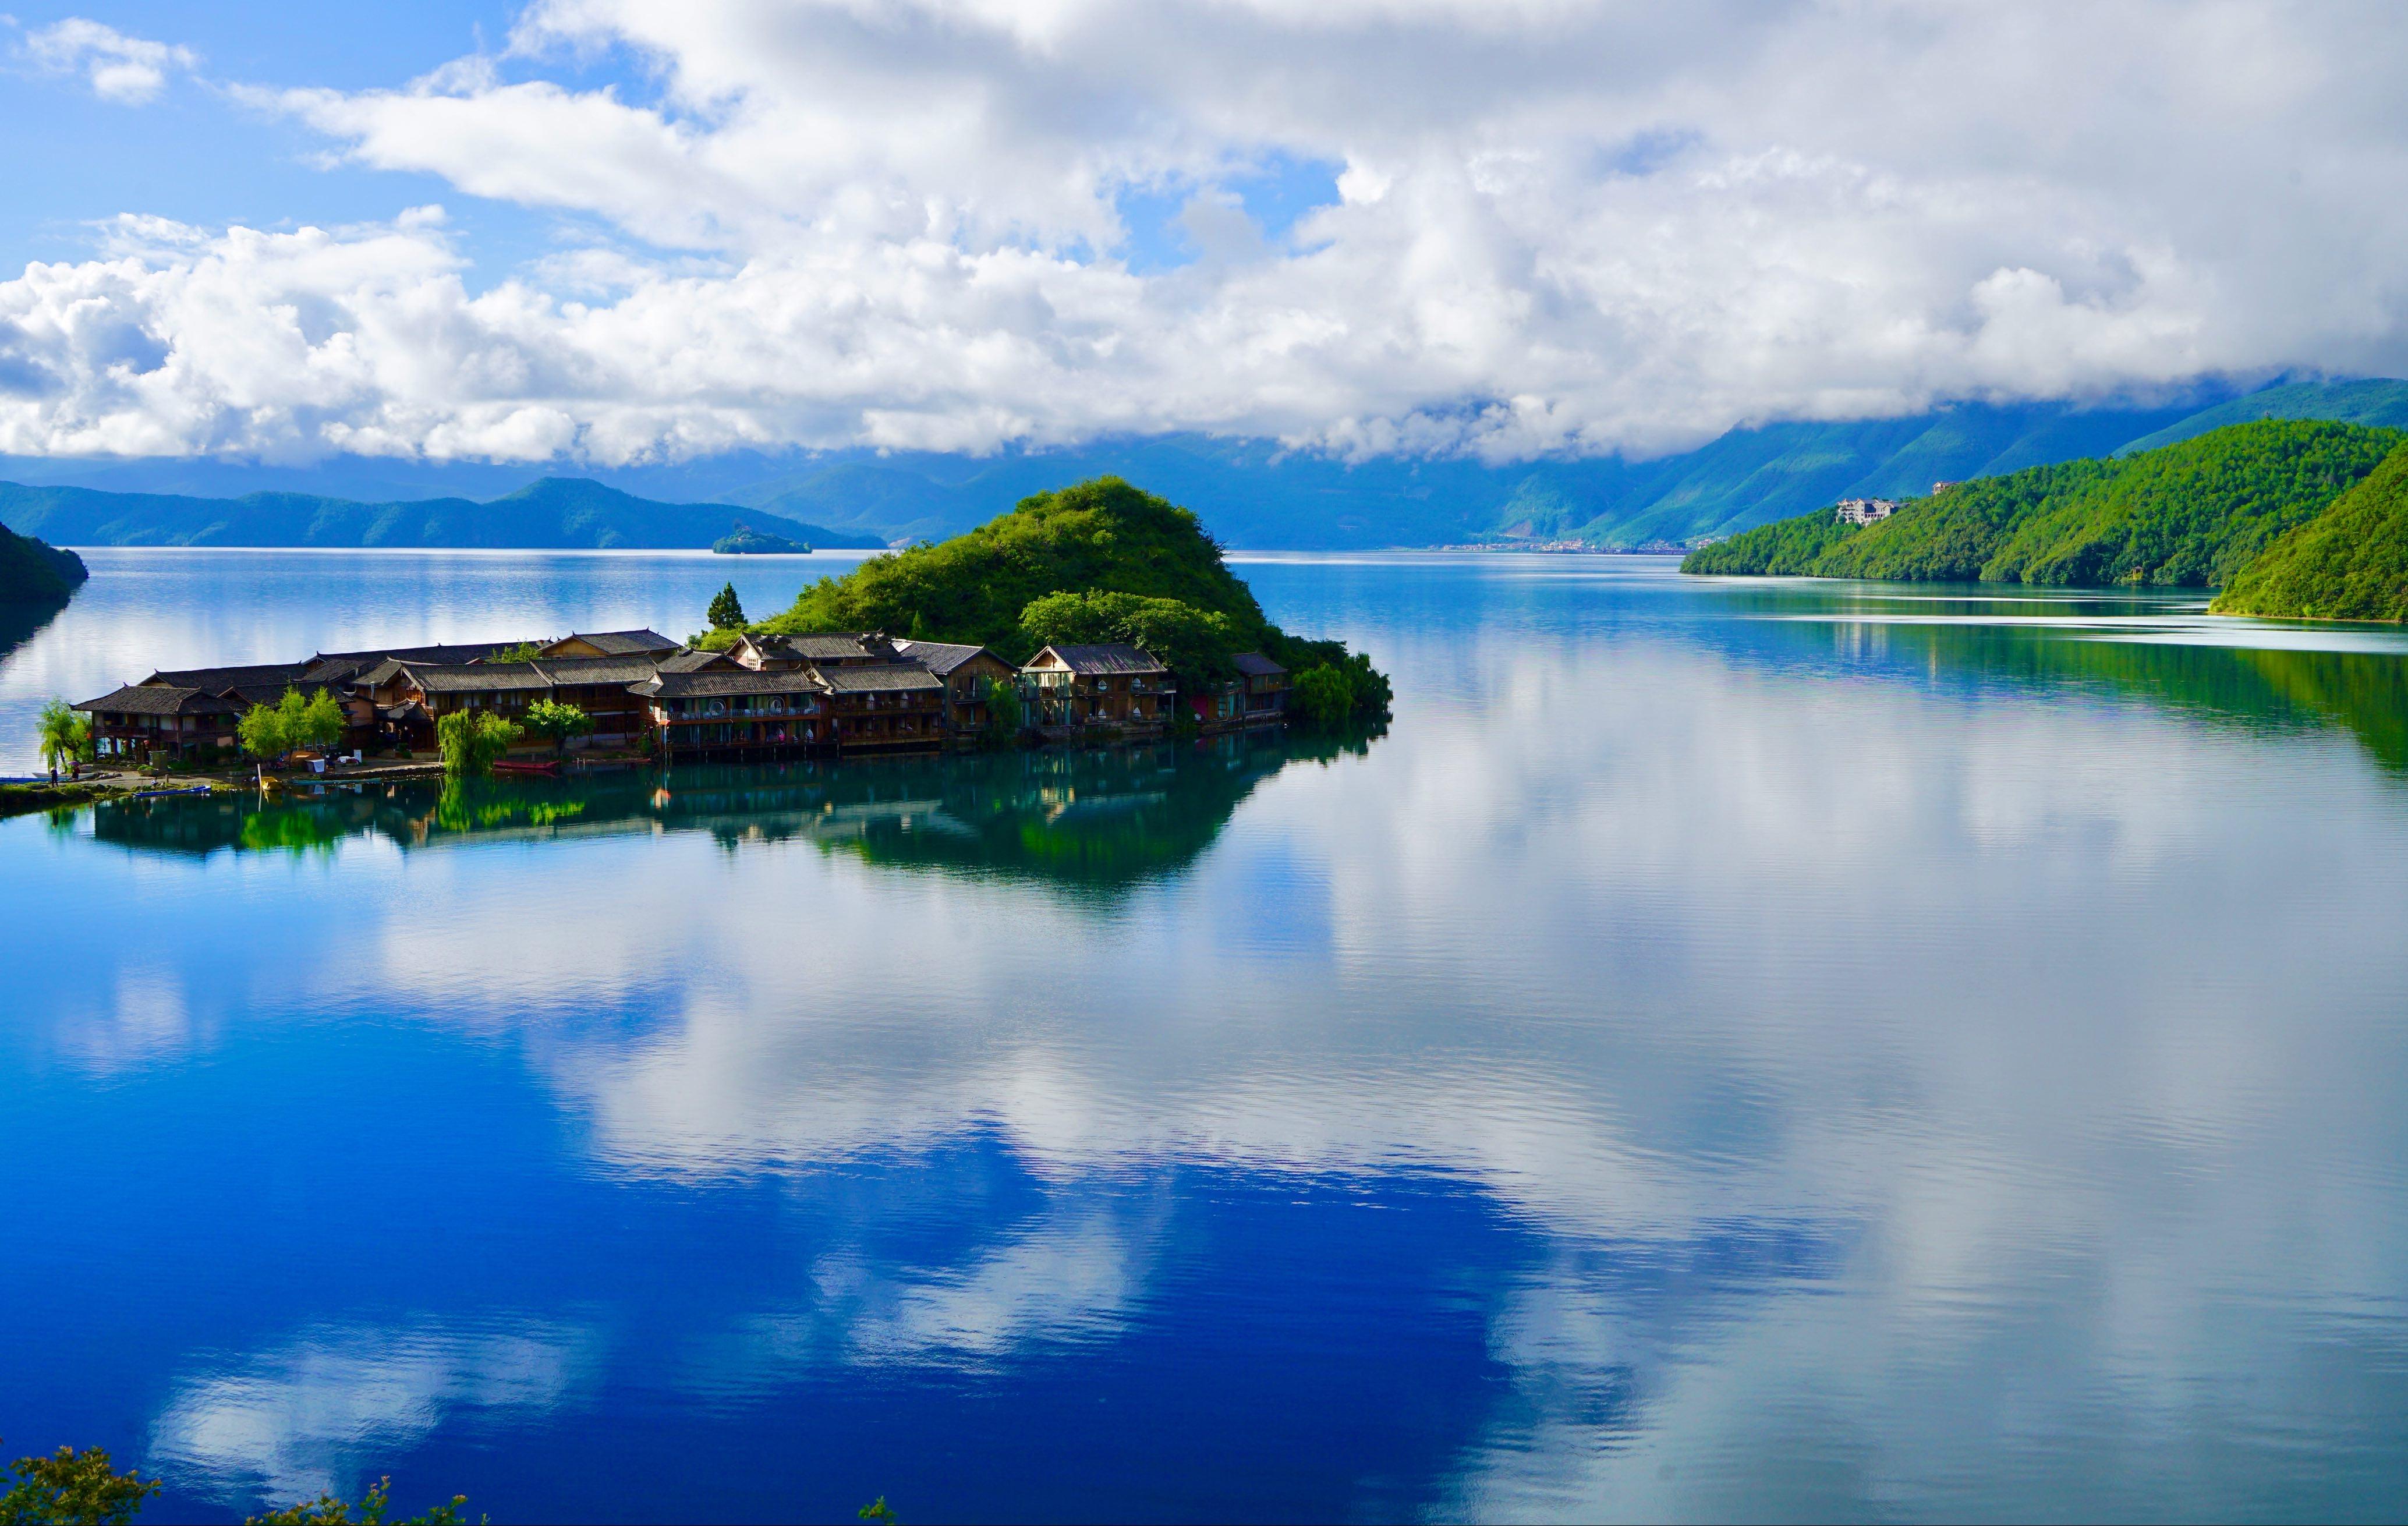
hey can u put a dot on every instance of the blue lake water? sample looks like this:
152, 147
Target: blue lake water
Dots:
1731, 1050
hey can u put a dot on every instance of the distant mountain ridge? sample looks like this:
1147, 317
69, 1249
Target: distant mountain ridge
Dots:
554, 513
1256, 493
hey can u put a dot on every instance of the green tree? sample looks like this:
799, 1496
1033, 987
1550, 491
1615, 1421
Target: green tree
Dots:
65, 734
878, 1512
726, 609
326, 1510
71, 1487
471, 739
521, 652
1004, 714
558, 721
1194, 645
322, 723
262, 733
1324, 695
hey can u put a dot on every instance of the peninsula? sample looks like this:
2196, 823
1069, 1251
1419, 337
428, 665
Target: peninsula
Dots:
36, 574
2197, 513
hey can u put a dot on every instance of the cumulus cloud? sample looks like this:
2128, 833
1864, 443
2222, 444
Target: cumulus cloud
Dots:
128, 70
1539, 228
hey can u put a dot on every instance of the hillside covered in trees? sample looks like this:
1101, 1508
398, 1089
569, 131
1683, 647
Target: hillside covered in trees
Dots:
2348, 563
1097, 561
32, 572
2189, 515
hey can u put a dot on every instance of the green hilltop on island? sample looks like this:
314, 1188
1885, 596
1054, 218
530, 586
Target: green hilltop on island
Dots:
1099, 561
2292, 517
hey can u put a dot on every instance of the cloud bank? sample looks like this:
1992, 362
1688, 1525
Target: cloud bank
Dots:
1509, 229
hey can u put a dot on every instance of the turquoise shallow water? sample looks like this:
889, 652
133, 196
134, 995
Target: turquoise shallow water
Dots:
1731, 1050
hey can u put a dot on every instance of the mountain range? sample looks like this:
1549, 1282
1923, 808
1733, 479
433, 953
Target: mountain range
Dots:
551, 513
1249, 493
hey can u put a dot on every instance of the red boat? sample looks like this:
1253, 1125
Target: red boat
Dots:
508, 764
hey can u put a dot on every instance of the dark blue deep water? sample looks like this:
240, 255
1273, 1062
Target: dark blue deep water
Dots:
1731, 1050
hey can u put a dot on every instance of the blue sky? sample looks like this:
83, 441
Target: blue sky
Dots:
613, 230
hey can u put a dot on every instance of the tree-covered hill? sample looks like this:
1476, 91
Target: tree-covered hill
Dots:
2188, 514
1102, 536
2348, 563
33, 573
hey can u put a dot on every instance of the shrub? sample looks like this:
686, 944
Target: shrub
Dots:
71, 1487
1324, 695
471, 739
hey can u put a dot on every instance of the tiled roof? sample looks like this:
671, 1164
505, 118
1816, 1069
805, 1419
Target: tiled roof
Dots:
879, 677
1107, 657
1254, 664
731, 681
822, 646
160, 700
477, 678
215, 679
621, 670
687, 660
939, 658
621, 643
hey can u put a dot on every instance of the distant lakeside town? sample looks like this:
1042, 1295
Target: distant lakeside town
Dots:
638, 694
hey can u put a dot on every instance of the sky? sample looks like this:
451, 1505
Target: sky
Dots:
629, 231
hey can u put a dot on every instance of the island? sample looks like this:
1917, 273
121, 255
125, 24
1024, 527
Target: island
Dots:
748, 542
2202, 513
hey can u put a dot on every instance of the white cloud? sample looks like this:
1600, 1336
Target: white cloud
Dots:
128, 70
1552, 229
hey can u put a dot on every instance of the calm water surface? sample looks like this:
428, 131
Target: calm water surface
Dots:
1731, 1050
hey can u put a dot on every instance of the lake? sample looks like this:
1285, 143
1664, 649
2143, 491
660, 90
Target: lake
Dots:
1730, 1049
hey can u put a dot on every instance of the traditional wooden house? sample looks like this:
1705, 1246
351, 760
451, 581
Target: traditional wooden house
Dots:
1111, 685
155, 723
423, 693
600, 686
970, 674
884, 707
739, 711
1265, 683
1257, 696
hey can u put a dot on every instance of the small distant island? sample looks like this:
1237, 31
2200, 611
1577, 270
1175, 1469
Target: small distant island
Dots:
748, 542
2288, 517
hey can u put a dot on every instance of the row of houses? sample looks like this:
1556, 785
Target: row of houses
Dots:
836, 692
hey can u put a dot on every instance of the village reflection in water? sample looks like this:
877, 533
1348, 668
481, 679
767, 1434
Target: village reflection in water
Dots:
1096, 819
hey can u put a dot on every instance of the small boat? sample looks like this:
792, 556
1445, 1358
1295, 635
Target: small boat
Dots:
515, 766
166, 794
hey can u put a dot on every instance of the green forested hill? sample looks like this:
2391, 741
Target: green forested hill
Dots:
1100, 536
33, 573
2188, 514
2348, 563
